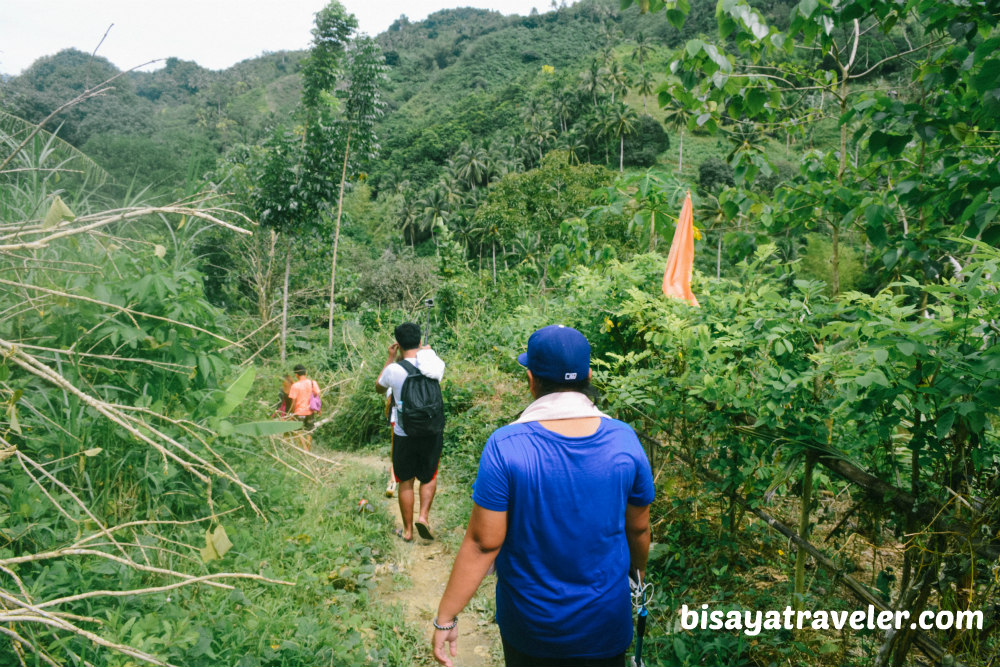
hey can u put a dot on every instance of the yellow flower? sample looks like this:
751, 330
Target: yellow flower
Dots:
548, 69
780, 552
275, 646
697, 233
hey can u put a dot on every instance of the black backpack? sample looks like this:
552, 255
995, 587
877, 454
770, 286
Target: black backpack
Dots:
422, 411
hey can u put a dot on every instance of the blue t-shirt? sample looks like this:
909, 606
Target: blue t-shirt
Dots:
562, 572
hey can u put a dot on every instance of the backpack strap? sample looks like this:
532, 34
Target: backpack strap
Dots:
408, 367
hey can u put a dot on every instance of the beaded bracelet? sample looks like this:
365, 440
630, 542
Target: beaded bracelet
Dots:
450, 626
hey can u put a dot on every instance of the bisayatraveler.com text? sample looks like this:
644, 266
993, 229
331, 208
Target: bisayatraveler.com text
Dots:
754, 622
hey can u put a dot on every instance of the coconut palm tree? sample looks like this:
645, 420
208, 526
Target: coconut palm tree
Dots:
643, 47
472, 165
644, 85
562, 105
591, 81
409, 218
620, 120
677, 117
433, 209
617, 80
541, 132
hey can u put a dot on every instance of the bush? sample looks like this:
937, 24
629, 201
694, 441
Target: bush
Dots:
714, 175
643, 148
393, 281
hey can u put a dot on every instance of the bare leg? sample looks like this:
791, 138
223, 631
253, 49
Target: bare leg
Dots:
426, 497
406, 507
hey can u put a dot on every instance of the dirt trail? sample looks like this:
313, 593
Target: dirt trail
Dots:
427, 565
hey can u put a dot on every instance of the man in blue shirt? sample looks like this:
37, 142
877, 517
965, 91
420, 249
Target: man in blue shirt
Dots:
561, 507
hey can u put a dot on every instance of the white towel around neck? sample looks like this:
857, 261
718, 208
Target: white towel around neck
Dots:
560, 405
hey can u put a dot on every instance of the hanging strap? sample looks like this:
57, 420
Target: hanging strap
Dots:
410, 369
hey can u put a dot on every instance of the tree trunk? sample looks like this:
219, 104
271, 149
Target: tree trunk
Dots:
798, 597
652, 231
680, 152
284, 302
718, 257
336, 238
264, 285
835, 261
621, 154
494, 263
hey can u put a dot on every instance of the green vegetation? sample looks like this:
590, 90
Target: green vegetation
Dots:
823, 427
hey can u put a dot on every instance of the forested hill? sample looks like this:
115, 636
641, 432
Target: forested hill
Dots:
456, 76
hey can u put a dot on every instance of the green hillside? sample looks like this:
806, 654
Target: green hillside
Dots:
822, 426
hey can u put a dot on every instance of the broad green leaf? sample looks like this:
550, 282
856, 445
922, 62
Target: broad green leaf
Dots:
828, 648
58, 212
208, 552
221, 541
988, 77
236, 392
15, 426
944, 424
216, 544
755, 99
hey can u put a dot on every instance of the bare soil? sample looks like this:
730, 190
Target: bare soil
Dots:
417, 575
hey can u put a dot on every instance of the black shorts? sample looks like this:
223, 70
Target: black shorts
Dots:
414, 456
514, 658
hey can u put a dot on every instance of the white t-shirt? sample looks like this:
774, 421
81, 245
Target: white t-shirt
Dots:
393, 376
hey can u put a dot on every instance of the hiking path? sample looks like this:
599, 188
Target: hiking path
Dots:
418, 572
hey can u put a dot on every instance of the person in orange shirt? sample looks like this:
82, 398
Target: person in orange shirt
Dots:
300, 395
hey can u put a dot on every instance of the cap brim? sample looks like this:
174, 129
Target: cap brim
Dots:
523, 359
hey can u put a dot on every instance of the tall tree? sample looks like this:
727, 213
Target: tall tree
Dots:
644, 85
295, 183
363, 107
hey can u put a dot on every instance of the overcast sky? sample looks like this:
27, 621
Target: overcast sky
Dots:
213, 33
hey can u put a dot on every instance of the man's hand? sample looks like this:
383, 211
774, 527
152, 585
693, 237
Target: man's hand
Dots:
442, 637
393, 352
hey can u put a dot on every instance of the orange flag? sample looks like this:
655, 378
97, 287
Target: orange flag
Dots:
680, 262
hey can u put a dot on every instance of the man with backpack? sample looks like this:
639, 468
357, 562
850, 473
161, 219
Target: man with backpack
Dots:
414, 373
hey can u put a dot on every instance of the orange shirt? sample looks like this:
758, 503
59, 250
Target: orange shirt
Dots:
300, 393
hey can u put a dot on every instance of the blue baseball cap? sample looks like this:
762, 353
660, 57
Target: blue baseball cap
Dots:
557, 353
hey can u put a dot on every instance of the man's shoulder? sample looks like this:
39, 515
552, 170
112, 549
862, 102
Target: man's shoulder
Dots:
617, 425
393, 370
509, 432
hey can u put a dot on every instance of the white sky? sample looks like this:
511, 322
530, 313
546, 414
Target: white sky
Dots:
214, 33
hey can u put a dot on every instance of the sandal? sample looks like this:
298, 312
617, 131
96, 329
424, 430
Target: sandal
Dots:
399, 533
424, 530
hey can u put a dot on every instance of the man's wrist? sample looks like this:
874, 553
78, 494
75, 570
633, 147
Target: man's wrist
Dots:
450, 625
